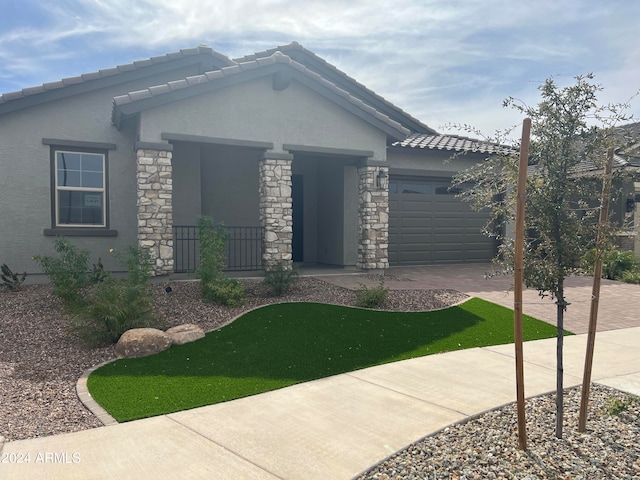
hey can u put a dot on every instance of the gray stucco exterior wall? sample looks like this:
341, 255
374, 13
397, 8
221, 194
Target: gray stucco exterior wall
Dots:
438, 163
25, 173
187, 196
255, 111
229, 185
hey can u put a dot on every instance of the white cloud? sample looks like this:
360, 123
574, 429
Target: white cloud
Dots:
442, 61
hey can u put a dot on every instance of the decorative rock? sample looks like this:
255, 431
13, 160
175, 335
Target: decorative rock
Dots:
185, 333
140, 342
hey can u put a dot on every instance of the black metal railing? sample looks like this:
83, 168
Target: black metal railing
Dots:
243, 252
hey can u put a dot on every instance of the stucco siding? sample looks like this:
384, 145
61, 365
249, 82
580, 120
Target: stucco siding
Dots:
229, 185
254, 111
350, 218
439, 163
187, 198
25, 173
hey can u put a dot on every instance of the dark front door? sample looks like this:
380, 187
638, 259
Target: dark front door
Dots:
297, 197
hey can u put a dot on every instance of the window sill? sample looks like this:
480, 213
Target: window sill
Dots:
80, 232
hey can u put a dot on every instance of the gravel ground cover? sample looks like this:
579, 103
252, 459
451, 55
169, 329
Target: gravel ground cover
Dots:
486, 447
41, 360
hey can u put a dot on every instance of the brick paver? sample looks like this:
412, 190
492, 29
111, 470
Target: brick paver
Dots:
619, 302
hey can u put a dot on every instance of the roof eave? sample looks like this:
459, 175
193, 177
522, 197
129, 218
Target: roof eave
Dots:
206, 58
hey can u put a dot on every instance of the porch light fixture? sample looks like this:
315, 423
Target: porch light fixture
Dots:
382, 180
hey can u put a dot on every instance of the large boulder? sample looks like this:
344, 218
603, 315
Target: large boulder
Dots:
185, 333
140, 342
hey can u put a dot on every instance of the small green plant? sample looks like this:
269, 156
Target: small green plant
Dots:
98, 273
615, 263
616, 406
631, 277
374, 297
11, 281
225, 291
280, 278
68, 271
115, 306
138, 263
215, 286
213, 240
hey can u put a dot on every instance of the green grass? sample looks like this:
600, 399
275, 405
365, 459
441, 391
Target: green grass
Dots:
284, 344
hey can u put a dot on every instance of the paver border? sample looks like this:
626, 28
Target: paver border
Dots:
87, 400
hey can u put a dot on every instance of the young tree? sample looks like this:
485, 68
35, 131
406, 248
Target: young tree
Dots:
568, 129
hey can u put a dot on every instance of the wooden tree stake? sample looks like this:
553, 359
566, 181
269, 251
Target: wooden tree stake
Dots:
519, 280
595, 293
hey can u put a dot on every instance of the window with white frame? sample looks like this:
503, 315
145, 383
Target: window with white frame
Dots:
80, 188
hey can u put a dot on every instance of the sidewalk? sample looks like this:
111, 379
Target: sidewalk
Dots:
332, 428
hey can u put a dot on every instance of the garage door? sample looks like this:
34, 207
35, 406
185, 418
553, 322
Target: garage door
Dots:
428, 224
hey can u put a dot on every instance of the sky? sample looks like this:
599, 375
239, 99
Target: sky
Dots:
446, 62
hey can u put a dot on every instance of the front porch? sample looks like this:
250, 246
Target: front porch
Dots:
324, 207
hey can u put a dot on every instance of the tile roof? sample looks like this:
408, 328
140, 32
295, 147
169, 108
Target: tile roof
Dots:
109, 72
619, 161
306, 57
454, 143
277, 57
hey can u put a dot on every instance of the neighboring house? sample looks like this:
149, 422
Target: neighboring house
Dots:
623, 211
318, 168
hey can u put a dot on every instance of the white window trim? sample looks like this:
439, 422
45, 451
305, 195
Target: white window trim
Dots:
102, 190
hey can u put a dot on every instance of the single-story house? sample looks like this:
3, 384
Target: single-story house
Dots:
299, 160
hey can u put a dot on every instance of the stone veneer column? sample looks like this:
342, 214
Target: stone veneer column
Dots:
276, 209
155, 208
373, 220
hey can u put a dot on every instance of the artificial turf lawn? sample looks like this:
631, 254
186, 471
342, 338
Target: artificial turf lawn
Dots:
283, 344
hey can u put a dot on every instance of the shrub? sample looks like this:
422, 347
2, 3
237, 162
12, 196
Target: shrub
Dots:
11, 281
214, 285
98, 273
213, 240
138, 263
614, 263
631, 277
67, 272
280, 278
225, 291
115, 306
374, 297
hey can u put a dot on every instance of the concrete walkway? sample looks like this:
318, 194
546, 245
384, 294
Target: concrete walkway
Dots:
332, 428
